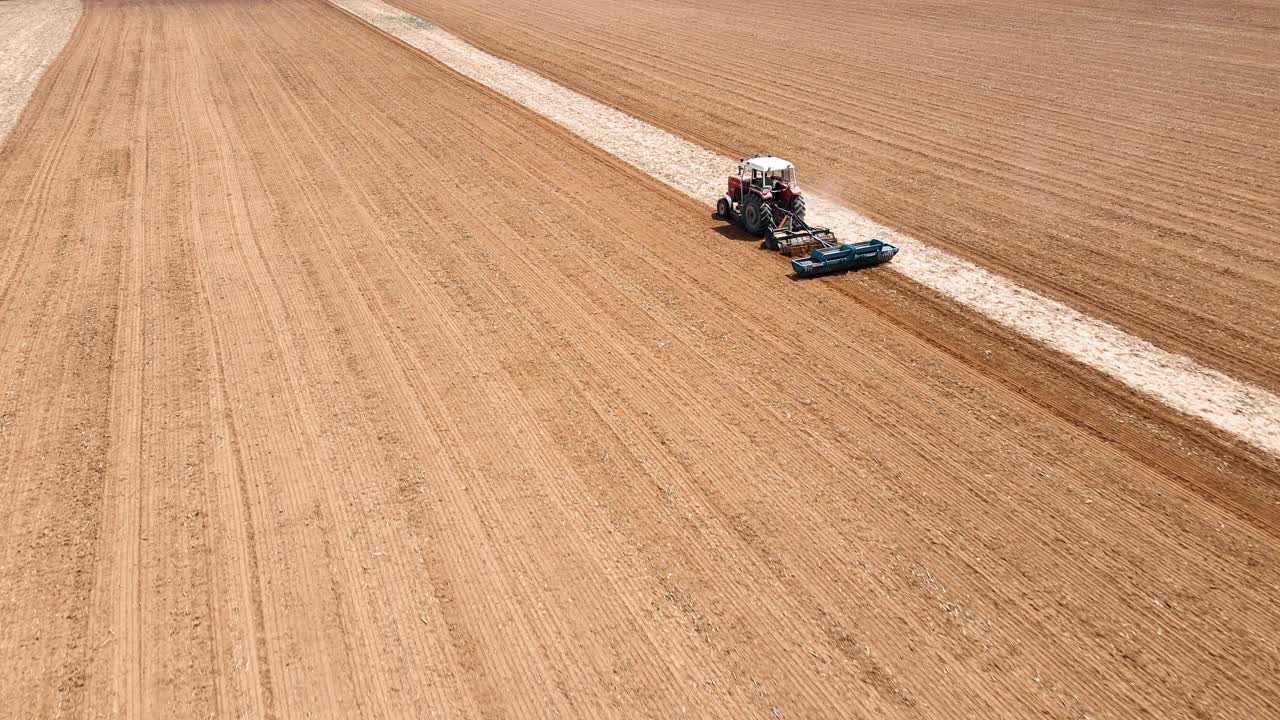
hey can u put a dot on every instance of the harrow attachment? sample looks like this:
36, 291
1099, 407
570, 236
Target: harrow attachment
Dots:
792, 236
844, 256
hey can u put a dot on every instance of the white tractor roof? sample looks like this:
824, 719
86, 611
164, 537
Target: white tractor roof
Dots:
768, 164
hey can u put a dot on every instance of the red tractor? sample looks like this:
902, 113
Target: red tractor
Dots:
765, 199
762, 193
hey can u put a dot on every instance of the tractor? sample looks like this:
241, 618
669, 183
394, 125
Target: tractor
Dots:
765, 199
762, 192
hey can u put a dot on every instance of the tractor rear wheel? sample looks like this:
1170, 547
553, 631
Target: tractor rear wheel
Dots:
753, 215
797, 207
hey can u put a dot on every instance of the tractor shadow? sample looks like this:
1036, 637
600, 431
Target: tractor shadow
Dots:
731, 230
835, 273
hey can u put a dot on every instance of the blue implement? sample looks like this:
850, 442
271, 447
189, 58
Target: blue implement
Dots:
844, 256
792, 235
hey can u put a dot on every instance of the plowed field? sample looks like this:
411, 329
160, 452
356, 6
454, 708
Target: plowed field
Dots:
336, 385
1123, 158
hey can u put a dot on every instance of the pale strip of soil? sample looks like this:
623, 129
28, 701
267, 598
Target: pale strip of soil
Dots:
32, 33
1244, 410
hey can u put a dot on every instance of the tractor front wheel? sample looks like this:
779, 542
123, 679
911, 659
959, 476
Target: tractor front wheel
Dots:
722, 210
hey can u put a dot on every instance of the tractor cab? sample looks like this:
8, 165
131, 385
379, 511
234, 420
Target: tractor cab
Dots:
771, 178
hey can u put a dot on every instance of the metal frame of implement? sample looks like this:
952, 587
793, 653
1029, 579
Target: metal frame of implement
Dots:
826, 254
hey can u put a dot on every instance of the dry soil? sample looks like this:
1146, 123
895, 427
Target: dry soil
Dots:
336, 385
1123, 158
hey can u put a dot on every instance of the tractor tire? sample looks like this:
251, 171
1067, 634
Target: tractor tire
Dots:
755, 216
797, 207
723, 211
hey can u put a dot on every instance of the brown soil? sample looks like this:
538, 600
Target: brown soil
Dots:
335, 385
1122, 158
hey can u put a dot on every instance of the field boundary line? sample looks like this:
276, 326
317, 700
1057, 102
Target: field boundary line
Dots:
1246, 411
